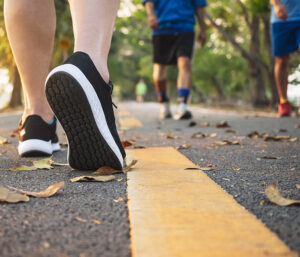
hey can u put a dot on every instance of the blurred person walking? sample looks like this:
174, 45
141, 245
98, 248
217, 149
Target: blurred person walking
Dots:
140, 91
285, 20
78, 91
173, 40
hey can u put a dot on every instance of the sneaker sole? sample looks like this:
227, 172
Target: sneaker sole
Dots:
35, 148
78, 109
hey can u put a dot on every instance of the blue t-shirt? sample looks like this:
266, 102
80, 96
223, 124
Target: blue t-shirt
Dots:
175, 16
293, 7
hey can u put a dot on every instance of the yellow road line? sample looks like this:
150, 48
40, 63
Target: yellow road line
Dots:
176, 212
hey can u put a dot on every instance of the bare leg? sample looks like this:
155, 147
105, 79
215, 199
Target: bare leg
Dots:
184, 79
160, 80
31, 27
93, 23
281, 76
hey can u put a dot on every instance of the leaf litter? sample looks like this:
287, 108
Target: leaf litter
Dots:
49, 191
3, 140
7, 196
37, 165
105, 170
93, 179
275, 196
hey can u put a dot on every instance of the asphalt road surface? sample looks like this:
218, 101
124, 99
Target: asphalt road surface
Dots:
53, 226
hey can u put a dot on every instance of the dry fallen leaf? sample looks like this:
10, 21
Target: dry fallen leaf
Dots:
19, 167
40, 164
129, 166
126, 143
170, 135
198, 135
98, 222
269, 157
105, 170
297, 126
192, 124
274, 196
120, 199
206, 168
8, 196
184, 146
262, 202
294, 139
120, 179
230, 131
223, 124
93, 179
298, 186
276, 138
193, 168
3, 140
81, 219
49, 191
53, 163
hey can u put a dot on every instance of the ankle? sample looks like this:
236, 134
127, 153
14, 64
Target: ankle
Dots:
47, 115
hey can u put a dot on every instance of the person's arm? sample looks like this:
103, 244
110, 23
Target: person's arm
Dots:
201, 34
280, 9
152, 19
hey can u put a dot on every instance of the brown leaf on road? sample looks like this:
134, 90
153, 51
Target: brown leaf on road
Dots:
274, 196
223, 124
255, 134
184, 146
3, 140
98, 222
53, 163
269, 157
193, 168
198, 135
19, 167
81, 219
298, 186
129, 166
37, 165
226, 142
204, 124
230, 131
49, 191
170, 135
93, 179
294, 139
126, 143
7, 196
120, 199
192, 124
105, 170
297, 126
276, 138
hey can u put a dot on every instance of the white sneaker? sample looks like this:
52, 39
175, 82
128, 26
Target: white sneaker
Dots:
165, 112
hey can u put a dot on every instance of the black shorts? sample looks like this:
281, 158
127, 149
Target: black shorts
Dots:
167, 48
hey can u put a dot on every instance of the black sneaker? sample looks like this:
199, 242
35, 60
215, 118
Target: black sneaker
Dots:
37, 137
183, 115
81, 100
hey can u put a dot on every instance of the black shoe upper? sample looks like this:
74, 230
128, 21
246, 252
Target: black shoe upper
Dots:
35, 127
103, 90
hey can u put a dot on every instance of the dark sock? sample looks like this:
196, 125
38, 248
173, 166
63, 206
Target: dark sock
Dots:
183, 94
161, 90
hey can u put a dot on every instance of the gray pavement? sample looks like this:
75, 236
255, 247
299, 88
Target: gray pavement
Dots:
48, 227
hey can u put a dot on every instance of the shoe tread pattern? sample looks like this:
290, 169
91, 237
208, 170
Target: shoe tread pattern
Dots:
88, 150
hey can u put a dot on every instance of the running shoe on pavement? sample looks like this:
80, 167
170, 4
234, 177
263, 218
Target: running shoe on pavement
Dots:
285, 109
165, 112
81, 101
183, 115
37, 137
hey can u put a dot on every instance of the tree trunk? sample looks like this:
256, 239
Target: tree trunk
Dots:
16, 96
259, 93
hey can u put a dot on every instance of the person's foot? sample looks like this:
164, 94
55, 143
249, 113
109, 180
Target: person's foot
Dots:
183, 115
81, 100
37, 137
285, 109
165, 112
